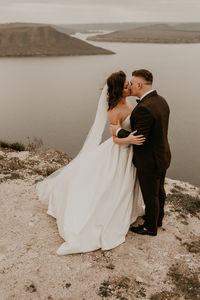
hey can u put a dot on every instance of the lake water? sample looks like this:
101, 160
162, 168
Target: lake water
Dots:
55, 98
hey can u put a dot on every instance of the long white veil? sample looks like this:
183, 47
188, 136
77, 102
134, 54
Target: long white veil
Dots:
92, 141
96, 131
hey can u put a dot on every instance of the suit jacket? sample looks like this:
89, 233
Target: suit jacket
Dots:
150, 118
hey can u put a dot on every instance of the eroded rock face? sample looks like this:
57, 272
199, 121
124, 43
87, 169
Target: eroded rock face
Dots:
30, 165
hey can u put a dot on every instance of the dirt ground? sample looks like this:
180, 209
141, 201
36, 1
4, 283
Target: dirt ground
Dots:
144, 267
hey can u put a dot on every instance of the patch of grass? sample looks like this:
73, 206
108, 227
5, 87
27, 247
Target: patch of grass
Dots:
174, 191
193, 247
141, 293
185, 284
178, 187
123, 283
164, 295
34, 143
185, 203
115, 288
105, 289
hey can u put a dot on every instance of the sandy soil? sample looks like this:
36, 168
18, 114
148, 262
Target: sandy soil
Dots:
144, 267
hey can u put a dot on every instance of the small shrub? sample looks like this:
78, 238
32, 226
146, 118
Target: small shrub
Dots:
105, 289
34, 144
193, 247
17, 147
141, 293
14, 146
174, 191
115, 288
178, 187
185, 203
4, 144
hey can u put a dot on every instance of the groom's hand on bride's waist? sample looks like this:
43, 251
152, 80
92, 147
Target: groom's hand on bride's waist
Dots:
132, 138
136, 139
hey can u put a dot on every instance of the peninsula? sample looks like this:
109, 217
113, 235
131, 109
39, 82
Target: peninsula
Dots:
158, 33
42, 40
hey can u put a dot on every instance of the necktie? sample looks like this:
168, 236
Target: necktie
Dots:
138, 100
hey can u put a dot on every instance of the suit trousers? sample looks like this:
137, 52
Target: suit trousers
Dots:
152, 187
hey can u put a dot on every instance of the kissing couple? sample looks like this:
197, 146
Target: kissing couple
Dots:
101, 193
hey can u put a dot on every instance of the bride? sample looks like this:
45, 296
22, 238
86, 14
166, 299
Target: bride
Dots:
97, 196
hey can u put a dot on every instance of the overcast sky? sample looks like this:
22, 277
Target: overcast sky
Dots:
95, 11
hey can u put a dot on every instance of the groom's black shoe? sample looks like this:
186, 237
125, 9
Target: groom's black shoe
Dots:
142, 230
159, 222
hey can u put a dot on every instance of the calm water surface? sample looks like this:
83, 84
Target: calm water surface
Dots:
56, 98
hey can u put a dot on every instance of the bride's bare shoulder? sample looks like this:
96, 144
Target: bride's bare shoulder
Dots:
114, 115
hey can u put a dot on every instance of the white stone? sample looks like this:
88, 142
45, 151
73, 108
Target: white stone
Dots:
139, 279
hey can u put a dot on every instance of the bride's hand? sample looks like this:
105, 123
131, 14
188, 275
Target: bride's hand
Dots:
136, 139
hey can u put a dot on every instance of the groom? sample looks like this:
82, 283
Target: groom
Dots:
150, 118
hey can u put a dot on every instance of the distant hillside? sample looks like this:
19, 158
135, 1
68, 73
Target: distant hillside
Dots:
42, 40
158, 33
67, 30
187, 26
86, 28
127, 25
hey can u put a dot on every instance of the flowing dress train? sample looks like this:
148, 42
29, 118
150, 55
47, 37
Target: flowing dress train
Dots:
95, 198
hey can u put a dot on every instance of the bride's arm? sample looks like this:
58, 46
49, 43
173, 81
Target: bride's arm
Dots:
115, 119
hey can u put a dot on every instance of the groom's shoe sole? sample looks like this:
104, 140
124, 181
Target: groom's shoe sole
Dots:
142, 231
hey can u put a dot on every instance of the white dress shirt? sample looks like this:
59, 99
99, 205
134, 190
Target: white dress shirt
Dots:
140, 100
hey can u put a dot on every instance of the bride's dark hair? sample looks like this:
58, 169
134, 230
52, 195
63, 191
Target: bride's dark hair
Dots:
115, 83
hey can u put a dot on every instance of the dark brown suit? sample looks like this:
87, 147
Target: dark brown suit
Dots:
150, 118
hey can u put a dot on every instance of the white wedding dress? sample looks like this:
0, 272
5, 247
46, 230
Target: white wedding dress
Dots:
95, 198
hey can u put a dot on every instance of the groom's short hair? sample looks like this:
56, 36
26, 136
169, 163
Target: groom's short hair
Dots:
145, 74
